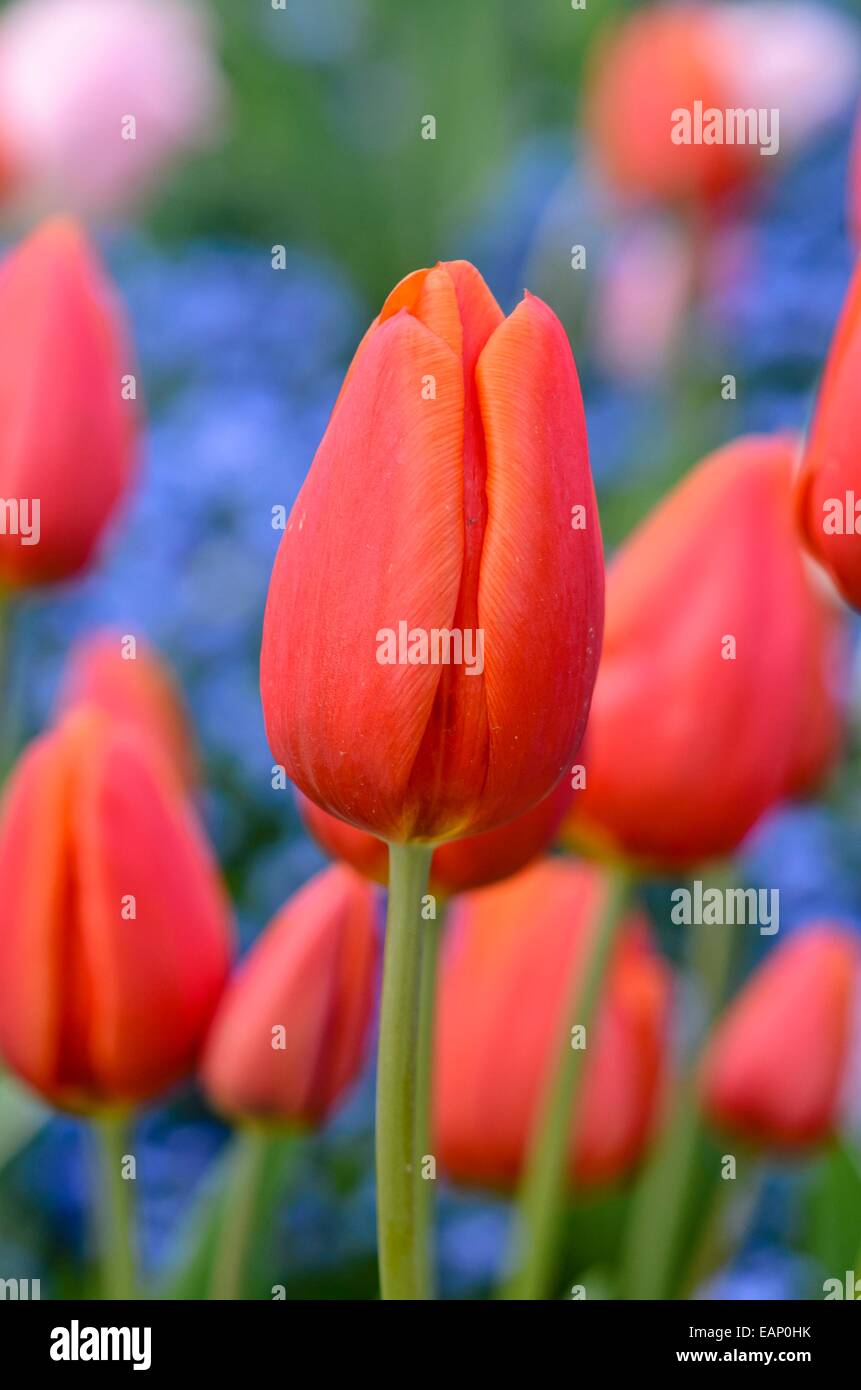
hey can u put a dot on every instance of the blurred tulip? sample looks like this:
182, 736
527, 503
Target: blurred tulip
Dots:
75, 75
458, 866
719, 688
506, 983
290, 1034
829, 482
658, 61
66, 433
132, 683
798, 60
774, 1069
114, 929
451, 493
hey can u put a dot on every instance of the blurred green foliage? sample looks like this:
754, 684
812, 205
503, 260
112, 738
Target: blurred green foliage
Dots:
324, 148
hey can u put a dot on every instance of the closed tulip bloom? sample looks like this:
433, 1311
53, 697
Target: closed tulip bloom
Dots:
458, 866
774, 1070
829, 482
291, 1032
666, 87
115, 935
435, 609
661, 61
132, 684
513, 953
719, 688
66, 433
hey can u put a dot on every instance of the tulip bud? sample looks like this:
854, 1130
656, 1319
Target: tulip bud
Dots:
829, 483
128, 680
114, 930
66, 431
512, 956
689, 102
434, 614
290, 1033
718, 693
458, 866
774, 1068
659, 62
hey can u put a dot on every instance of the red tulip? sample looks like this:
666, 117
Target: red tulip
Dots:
774, 1068
66, 432
291, 1031
135, 686
114, 930
658, 62
718, 693
458, 866
829, 483
505, 987
451, 495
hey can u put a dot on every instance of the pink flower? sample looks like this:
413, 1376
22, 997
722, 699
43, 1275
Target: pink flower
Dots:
97, 96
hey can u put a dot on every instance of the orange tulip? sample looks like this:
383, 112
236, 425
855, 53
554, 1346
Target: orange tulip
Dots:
114, 930
774, 1068
66, 433
290, 1034
134, 685
829, 483
658, 62
511, 955
434, 615
458, 866
718, 693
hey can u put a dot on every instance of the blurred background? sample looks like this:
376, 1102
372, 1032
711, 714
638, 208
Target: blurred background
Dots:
303, 128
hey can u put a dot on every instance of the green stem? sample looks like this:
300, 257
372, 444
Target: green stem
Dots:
668, 1200
425, 1197
397, 1207
114, 1206
238, 1212
543, 1189
715, 949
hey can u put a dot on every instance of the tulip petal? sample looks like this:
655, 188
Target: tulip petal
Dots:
540, 596
375, 539
159, 972
75, 457
33, 904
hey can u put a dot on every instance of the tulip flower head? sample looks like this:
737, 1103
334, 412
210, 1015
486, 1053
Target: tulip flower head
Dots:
434, 615
114, 930
126, 678
459, 865
829, 482
687, 103
719, 688
662, 60
290, 1034
512, 955
66, 431
774, 1069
